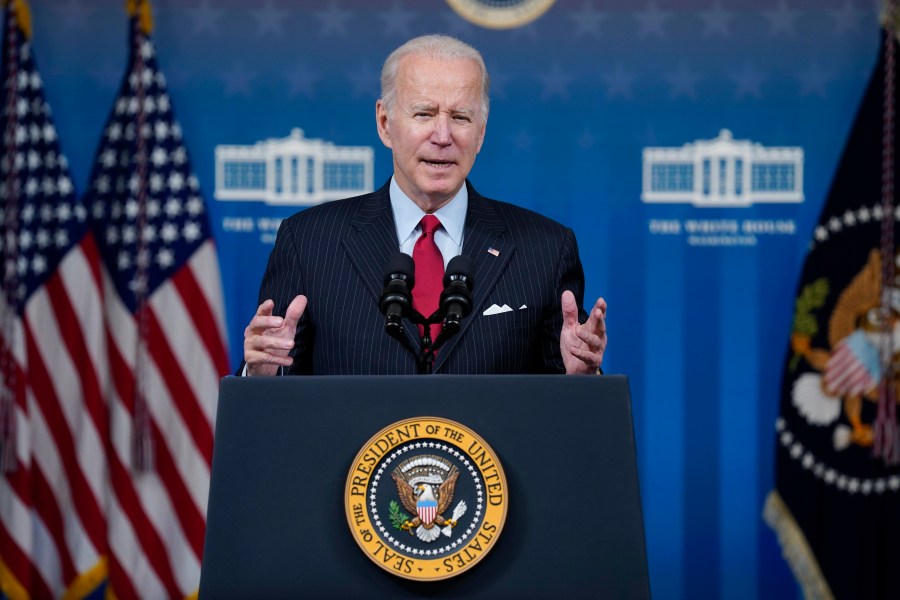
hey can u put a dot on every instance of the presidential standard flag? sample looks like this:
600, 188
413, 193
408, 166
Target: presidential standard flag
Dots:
165, 332
53, 419
836, 506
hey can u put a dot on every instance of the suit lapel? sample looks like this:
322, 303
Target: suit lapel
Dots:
372, 239
484, 243
371, 242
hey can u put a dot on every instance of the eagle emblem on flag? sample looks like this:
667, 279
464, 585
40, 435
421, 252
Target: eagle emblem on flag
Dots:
847, 376
426, 485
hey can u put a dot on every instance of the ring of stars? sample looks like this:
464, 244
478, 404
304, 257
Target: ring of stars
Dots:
830, 476
851, 218
467, 466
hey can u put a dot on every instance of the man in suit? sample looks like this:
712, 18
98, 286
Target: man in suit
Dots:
325, 274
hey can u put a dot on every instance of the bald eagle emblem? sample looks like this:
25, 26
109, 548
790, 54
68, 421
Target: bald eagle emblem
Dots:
841, 380
425, 485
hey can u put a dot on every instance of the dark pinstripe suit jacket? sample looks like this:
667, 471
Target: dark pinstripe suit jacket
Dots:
336, 253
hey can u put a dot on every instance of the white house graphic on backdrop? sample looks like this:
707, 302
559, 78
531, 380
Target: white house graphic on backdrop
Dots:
293, 170
723, 172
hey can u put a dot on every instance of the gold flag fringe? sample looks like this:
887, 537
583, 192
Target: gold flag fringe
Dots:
88, 582
23, 15
795, 549
9, 585
141, 9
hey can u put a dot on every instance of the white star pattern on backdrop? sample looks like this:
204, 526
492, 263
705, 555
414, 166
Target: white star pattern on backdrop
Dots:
651, 20
781, 19
618, 82
717, 21
333, 20
301, 80
683, 81
206, 18
238, 80
748, 81
397, 21
848, 18
587, 21
365, 79
555, 83
270, 19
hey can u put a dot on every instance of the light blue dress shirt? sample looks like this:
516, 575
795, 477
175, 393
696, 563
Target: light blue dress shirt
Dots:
407, 214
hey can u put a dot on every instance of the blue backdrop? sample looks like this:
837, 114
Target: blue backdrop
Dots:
700, 298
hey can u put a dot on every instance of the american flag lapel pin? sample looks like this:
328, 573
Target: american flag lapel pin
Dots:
493, 251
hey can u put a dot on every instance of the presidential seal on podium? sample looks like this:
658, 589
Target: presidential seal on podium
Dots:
426, 498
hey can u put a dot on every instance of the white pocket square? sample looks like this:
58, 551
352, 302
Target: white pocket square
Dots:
496, 310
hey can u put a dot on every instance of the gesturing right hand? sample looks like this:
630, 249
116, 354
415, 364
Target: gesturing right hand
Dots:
268, 339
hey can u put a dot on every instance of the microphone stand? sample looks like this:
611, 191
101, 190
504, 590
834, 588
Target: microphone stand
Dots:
426, 355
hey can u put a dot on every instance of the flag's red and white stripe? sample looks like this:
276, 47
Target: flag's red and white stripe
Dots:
52, 350
52, 507
157, 519
846, 373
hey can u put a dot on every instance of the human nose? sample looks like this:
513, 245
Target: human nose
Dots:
441, 134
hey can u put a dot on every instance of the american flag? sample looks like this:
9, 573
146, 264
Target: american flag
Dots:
53, 419
165, 333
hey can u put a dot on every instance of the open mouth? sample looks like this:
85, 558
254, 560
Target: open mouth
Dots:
439, 164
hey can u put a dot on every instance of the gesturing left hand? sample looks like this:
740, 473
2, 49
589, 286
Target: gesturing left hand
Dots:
582, 345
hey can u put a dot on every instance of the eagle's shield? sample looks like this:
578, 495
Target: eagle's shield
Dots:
427, 510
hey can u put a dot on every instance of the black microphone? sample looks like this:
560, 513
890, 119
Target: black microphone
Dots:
396, 300
456, 299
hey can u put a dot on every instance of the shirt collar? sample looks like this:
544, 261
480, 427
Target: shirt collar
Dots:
407, 213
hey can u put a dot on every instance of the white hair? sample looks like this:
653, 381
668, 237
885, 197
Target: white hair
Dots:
433, 46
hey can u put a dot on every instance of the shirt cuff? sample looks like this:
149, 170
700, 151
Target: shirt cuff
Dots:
245, 372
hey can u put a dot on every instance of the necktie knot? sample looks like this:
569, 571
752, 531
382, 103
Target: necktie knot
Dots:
430, 224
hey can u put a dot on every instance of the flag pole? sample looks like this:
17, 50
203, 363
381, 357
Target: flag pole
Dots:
142, 435
886, 443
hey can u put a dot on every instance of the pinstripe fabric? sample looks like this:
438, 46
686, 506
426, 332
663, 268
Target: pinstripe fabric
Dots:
335, 254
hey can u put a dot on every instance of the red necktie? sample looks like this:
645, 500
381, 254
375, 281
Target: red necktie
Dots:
429, 273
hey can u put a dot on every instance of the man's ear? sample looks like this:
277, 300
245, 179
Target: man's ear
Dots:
382, 123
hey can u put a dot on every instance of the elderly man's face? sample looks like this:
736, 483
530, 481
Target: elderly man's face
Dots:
436, 128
